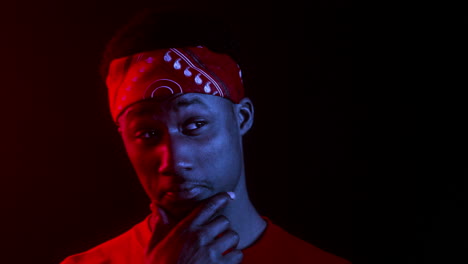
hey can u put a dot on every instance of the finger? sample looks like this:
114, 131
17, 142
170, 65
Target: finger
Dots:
199, 216
216, 227
234, 256
228, 241
206, 210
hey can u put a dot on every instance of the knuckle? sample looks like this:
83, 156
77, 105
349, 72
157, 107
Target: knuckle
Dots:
215, 202
238, 256
234, 235
223, 220
212, 253
200, 236
235, 256
211, 205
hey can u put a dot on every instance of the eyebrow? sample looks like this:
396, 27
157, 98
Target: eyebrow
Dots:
185, 102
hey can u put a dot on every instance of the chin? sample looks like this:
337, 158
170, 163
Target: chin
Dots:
180, 211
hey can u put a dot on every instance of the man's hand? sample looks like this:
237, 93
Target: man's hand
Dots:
198, 238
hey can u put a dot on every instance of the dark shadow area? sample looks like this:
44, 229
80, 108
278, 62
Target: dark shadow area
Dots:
67, 184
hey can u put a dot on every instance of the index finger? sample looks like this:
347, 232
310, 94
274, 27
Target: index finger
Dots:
209, 207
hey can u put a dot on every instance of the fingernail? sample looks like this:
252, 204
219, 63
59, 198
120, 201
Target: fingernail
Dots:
232, 195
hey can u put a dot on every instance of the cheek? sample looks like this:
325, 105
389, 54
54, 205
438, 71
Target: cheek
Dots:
140, 161
132, 152
221, 158
144, 167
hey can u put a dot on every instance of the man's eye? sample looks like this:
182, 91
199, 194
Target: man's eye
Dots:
146, 134
194, 125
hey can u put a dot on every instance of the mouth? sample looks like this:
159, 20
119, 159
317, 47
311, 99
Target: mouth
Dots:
184, 193
179, 199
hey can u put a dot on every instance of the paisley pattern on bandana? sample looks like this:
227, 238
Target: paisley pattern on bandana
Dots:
164, 72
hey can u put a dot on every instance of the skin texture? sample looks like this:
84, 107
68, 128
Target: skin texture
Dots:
187, 153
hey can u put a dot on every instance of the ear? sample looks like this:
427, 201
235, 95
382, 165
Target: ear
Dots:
119, 128
118, 125
245, 114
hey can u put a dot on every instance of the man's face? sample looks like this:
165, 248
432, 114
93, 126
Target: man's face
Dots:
184, 149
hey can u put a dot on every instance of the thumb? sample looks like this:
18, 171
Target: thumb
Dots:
161, 228
163, 216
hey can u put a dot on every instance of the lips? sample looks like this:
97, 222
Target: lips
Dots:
184, 192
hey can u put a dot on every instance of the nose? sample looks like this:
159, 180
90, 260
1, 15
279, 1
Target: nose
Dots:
174, 153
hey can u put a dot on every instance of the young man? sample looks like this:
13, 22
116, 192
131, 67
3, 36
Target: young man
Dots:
177, 97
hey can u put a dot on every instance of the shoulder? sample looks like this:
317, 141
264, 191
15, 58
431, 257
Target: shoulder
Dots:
125, 247
276, 245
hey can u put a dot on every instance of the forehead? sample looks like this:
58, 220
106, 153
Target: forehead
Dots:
177, 103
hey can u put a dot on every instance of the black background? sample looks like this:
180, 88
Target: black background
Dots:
319, 162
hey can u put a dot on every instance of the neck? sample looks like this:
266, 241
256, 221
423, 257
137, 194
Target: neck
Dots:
245, 219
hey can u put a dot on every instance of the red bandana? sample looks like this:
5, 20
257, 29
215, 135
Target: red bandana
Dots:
163, 72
